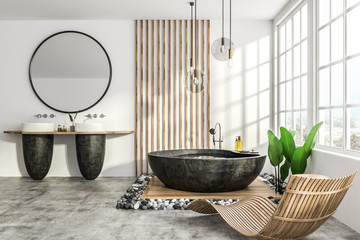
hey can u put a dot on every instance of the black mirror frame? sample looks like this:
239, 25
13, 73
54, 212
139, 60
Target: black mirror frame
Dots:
53, 35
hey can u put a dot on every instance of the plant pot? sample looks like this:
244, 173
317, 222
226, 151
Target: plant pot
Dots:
72, 128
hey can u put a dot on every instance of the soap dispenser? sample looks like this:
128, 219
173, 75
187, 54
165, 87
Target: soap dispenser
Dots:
238, 144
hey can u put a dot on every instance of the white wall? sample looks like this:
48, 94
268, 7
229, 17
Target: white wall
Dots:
337, 165
240, 96
18, 102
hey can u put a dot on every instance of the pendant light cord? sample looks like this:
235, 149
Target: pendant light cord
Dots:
222, 18
192, 23
230, 24
195, 35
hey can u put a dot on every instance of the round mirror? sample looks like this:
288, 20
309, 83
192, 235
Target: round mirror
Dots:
70, 71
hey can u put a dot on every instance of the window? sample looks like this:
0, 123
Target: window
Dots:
334, 72
292, 72
338, 73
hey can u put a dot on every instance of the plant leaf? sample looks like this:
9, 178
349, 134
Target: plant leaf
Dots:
275, 151
271, 135
299, 161
288, 143
310, 140
293, 133
71, 118
284, 170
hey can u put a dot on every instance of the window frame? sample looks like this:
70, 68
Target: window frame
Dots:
312, 71
345, 149
278, 24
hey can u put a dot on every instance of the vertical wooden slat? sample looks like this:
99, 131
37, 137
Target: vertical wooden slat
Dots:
141, 97
208, 80
136, 96
174, 69
203, 92
191, 107
180, 88
197, 87
169, 90
147, 97
152, 85
186, 92
163, 86
158, 88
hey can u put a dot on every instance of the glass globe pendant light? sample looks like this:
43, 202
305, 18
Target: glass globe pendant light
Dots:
195, 80
221, 46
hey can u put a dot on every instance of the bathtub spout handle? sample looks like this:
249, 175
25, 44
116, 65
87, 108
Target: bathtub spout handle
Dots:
213, 131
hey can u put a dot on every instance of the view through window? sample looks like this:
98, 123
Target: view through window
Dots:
338, 69
292, 74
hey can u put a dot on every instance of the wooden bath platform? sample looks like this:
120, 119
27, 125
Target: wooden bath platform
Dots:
157, 190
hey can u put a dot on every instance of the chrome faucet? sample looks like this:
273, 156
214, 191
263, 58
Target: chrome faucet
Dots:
92, 116
44, 115
213, 132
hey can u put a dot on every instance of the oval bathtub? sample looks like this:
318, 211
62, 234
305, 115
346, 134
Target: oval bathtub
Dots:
206, 170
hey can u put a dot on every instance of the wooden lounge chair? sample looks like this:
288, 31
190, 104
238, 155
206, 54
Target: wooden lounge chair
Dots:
308, 201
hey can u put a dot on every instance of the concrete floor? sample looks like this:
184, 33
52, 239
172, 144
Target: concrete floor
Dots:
74, 208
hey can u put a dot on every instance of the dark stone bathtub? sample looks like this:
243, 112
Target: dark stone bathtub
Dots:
206, 170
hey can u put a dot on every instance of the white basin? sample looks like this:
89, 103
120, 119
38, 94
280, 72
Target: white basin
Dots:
89, 127
38, 127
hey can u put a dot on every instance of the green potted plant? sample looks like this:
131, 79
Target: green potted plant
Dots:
72, 120
295, 157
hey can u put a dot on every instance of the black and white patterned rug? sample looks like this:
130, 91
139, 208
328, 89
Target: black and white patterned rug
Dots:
132, 198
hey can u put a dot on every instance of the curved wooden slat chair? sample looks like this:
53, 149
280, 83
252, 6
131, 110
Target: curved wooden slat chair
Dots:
308, 201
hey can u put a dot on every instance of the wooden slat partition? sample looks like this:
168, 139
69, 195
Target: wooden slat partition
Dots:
136, 93
152, 86
186, 92
197, 95
180, 86
166, 115
203, 93
169, 88
158, 91
142, 94
174, 88
163, 87
208, 78
147, 94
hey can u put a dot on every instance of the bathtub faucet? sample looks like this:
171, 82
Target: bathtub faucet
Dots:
213, 131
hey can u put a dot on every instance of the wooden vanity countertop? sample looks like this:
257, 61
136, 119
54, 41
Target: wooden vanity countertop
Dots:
68, 133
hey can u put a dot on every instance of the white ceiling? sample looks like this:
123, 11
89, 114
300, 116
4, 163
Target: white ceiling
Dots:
134, 9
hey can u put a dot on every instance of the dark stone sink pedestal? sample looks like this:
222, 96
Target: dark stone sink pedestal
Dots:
90, 152
38, 151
